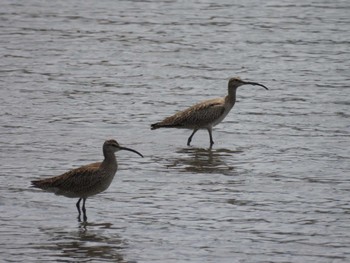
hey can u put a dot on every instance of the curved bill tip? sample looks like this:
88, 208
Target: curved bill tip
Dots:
256, 84
131, 150
264, 87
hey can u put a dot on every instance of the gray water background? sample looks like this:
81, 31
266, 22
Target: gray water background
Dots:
275, 186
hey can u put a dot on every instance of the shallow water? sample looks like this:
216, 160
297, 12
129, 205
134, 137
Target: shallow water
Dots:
275, 186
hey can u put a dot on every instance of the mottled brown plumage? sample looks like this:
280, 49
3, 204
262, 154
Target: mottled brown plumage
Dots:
206, 114
87, 180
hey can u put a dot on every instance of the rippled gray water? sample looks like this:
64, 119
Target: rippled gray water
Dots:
274, 188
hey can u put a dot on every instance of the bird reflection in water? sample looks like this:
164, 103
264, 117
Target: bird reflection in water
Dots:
201, 160
92, 241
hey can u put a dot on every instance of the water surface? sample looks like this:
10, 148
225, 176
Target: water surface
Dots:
275, 186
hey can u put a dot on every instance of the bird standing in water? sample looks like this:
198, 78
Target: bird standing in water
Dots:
87, 180
206, 114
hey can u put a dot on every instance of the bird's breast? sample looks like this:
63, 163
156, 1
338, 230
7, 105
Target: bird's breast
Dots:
222, 116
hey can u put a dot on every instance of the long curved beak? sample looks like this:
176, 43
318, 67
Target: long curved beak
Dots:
130, 150
255, 84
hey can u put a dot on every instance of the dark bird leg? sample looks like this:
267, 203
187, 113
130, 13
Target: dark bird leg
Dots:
210, 137
190, 138
84, 210
78, 207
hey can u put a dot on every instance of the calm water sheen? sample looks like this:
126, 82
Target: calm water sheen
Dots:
275, 187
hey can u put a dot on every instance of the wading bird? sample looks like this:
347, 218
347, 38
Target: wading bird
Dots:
87, 180
206, 114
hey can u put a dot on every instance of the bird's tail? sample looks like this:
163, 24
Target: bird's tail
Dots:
42, 184
37, 183
155, 126
45, 185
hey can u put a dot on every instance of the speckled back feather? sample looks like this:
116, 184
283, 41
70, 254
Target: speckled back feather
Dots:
199, 115
74, 183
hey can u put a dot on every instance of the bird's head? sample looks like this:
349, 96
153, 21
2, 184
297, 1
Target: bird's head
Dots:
113, 145
234, 83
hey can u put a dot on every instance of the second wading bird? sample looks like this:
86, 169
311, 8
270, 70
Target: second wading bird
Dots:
87, 180
206, 114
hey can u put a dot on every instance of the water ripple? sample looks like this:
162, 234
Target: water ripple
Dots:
275, 186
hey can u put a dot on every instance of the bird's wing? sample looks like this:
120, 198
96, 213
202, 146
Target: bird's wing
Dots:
199, 115
76, 179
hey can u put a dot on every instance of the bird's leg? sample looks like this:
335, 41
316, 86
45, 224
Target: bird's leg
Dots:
190, 138
78, 207
84, 210
210, 137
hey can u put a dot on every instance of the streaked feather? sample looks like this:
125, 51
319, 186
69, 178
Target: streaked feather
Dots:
74, 183
199, 115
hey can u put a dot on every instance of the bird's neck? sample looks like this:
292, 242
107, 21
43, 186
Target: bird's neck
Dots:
231, 97
110, 161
